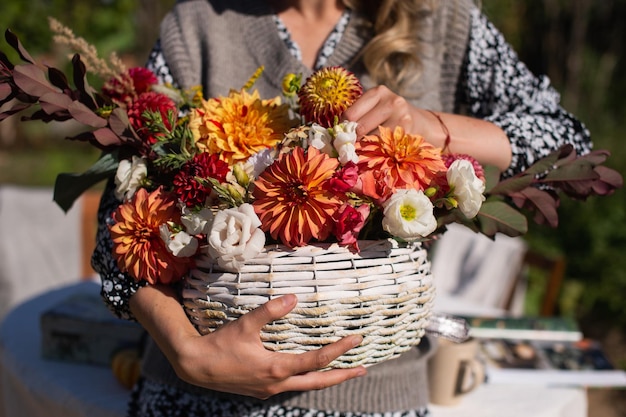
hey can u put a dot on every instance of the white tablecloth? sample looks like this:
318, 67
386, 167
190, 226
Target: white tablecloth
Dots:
33, 387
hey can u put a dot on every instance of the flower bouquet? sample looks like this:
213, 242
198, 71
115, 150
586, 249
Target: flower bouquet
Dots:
246, 198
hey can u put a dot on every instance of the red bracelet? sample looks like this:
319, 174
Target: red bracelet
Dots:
446, 142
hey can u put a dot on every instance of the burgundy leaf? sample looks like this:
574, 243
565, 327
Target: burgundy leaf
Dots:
54, 102
32, 80
596, 157
58, 79
610, 176
106, 137
119, 123
4, 59
6, 93
85, 92
12, 40
47, 118
544, 203
85, 115
18, 107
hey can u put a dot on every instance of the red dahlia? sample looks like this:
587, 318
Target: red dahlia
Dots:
188, 182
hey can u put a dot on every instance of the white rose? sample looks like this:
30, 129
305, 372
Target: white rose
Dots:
345, 139
196, 222
235, 237
129, 176
180, 244
408, 214
320, 138
466, 187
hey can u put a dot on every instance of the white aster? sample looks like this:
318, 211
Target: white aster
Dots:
409, 215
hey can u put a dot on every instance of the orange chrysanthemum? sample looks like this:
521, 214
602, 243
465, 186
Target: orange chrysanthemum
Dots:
408, 160
137, 243
293, 197
327, 94
239, 125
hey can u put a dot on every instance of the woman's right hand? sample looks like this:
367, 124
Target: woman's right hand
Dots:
232, 359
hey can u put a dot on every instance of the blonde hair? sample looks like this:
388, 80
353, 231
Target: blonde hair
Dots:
392, 56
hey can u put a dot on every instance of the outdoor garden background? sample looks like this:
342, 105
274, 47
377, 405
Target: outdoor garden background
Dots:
579, 44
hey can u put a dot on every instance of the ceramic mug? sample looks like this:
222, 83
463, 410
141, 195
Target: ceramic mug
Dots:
453, 371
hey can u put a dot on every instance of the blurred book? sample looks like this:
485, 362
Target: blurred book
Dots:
581, 363
528, 328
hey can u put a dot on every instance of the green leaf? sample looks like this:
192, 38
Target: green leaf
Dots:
497, 216
492, 176
575, 171
68, 187
513, 184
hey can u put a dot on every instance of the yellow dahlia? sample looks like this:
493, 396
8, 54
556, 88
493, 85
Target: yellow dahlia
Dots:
293, 197
408, 160
239, 125
137, 244
327, 94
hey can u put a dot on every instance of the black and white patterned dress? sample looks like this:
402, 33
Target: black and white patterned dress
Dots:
495, 86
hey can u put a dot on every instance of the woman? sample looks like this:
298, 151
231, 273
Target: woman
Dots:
438, 68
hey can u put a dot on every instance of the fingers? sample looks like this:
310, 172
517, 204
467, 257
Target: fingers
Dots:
320, 380
272, 310
381, 107
320, 358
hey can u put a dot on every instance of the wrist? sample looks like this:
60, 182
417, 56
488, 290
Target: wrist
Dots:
445, 132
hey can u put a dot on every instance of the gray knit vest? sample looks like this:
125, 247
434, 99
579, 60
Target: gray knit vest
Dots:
219, 44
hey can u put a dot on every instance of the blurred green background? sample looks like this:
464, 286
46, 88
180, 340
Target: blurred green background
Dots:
577, 43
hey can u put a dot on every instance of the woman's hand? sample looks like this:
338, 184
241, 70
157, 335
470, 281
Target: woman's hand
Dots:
382, 107
233, 359
479, 138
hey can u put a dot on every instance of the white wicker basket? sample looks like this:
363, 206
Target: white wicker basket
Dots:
383, 293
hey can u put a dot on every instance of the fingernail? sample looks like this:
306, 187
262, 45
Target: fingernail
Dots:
356, 340
289, 300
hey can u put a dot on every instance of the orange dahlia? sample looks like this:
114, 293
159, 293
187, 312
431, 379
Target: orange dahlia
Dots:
137, 244
239, 125
408, 160
327, 94
293, 197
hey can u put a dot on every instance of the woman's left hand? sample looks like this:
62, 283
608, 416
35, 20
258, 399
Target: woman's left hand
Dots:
382, 107
479, 138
